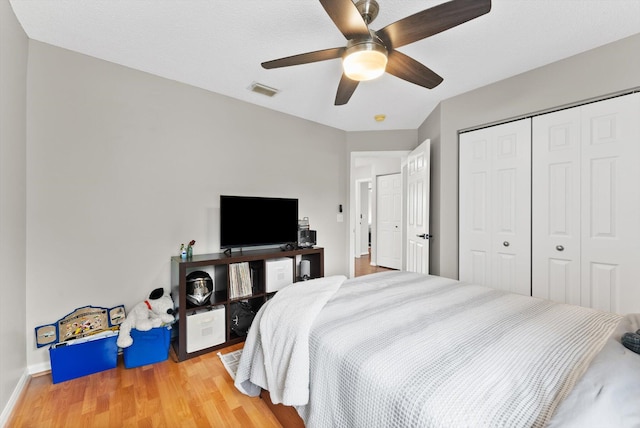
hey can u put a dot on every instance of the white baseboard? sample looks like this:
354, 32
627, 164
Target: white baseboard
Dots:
8, 409
39, 368
28, 372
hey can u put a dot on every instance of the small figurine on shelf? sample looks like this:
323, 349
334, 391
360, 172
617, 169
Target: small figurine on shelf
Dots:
190, 248
183, 251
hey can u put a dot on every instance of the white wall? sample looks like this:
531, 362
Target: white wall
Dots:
361, 175
385, 166
124, 166
605, 70
363, 214
13, 143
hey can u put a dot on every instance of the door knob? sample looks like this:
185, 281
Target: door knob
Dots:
505, 243
425, 236
559, 248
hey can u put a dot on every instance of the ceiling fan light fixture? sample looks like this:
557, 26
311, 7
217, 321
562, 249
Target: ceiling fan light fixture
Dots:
365, 61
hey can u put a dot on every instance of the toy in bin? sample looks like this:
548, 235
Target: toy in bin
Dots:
82, 342
153, 312
146, 332
148, 347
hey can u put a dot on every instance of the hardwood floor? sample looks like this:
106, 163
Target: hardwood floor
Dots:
363, 266
194, 393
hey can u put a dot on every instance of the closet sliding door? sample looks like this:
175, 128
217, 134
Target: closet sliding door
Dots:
586, 205
495, 207
556, 204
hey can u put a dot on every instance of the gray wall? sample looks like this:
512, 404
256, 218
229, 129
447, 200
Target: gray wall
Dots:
371, 141
124, 166
432, 123
13, 143
605, 70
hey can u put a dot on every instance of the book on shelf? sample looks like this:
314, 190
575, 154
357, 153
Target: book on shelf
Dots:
239, 280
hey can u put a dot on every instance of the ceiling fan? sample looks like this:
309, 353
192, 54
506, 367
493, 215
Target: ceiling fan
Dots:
369, 54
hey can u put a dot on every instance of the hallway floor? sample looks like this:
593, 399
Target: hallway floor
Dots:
363, 266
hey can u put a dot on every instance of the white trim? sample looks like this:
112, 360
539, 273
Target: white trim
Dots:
15, 396
35, 369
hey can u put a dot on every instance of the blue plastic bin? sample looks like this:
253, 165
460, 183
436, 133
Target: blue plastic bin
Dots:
81, 359
148, 347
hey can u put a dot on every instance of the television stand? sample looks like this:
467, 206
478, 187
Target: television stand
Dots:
217, 265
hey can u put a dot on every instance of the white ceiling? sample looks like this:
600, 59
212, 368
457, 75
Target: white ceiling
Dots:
218, 45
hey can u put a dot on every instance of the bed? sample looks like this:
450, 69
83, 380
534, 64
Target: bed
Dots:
399, 349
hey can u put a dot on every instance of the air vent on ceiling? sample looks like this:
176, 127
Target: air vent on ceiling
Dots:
263, 89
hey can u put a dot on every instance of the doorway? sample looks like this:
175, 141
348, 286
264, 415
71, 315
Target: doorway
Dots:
365, 167
363, 227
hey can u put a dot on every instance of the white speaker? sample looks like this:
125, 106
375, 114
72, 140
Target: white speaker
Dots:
305, 269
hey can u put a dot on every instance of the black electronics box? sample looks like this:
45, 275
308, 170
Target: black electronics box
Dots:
306, 238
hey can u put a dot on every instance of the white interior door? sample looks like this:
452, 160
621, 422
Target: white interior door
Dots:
389, 221
475, 240
418, 170
610, 266
495, 206
556, 201
587, 199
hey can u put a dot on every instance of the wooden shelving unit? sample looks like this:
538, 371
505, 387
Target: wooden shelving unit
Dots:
217, 265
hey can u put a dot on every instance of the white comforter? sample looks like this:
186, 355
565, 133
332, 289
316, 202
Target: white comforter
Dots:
399, 349
608, 395
276, 352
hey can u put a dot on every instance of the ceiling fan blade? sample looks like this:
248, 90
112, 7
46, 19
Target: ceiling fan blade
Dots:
346, 87
432, 21
345, 15
304, 58
407, 68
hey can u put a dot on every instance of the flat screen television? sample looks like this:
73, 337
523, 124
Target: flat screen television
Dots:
249, 221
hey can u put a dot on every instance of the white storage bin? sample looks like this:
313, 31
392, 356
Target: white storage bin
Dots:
206, 329
279, 273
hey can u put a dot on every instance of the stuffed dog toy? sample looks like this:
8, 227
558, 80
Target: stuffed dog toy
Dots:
153, 312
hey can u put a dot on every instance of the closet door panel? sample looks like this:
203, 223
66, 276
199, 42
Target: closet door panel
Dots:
611, 204
479, 265
505, 266
495, 206
603, 287
511, 207
474, 227
556, 206
560, 286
